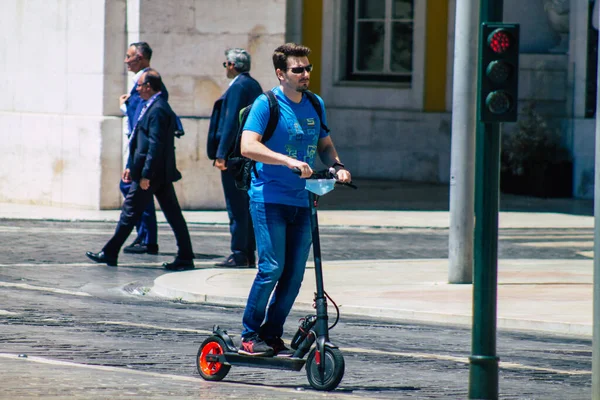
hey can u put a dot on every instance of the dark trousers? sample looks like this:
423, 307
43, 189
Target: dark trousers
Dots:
134, 205
243, 244
147, 231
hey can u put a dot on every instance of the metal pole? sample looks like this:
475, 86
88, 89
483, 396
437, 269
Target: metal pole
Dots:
483, 378
462, 156
596, 309
483, 373
294, 9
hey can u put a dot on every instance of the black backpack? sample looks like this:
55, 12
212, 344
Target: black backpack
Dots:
241, 167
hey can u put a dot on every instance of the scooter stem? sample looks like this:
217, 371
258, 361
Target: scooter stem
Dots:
321, 325
314, 223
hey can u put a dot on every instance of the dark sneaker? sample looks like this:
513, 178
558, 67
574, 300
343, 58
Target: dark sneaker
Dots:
255, 346
279, 348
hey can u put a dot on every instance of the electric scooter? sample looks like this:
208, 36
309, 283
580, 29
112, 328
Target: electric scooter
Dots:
325, 363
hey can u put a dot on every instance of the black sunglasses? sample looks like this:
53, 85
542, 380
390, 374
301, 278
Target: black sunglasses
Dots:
226, 63
299, 70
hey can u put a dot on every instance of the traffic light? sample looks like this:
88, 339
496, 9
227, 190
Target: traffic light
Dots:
499, 72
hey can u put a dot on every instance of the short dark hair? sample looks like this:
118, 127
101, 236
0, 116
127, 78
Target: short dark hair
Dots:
152, 78
144, 49
281, 54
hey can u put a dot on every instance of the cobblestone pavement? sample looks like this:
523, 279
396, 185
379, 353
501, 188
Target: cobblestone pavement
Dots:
56, 305
66, 242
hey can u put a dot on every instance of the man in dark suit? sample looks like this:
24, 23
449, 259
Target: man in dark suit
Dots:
224, 123
151, 169
138, 59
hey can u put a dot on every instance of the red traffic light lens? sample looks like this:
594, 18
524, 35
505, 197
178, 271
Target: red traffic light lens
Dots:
499, 41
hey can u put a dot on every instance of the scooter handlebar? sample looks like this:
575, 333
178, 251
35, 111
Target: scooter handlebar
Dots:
325, 174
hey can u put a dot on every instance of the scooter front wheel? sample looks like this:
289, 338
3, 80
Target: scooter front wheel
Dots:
334, 369
212, 370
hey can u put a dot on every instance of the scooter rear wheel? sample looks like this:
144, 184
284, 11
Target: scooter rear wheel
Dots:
334, 369
212, 370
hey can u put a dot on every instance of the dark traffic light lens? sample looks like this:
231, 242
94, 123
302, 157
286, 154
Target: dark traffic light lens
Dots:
498, 102
498, 71
499, 41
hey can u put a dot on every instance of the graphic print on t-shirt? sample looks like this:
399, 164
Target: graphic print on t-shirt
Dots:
301, 137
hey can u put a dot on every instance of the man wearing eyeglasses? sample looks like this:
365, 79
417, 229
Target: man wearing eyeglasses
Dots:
151, 169
278, 201
224, 124
138, 61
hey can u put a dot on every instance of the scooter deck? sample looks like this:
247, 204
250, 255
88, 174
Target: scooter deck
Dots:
287, 363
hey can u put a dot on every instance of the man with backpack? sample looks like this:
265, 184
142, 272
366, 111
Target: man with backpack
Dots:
224, 125
278, 201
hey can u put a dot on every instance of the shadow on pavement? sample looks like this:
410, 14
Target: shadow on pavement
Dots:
418, 196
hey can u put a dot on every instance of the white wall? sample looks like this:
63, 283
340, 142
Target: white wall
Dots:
55, 128
60, 126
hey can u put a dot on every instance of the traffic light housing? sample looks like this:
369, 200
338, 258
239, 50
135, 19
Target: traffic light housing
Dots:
499, 72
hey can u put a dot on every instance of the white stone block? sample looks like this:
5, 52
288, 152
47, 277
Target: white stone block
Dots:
239, 16
543, 85
114, 87
115, 47
111, 163
56, 160
390, 145
192, 95
85, 94
84, 31
38, 89
13, 148
168, 17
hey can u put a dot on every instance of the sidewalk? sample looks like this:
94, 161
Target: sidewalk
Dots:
542, 295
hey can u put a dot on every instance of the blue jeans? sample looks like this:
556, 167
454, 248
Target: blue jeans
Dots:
283, 240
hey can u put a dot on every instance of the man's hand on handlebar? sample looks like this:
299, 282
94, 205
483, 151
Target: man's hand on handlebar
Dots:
343, 175
304, 169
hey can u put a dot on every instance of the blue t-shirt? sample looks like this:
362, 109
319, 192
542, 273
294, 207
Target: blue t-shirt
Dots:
296, 135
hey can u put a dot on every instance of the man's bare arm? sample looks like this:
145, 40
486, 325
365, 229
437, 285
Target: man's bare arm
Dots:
252, 148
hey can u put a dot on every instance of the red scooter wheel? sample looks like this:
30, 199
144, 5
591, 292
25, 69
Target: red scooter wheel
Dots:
211, 370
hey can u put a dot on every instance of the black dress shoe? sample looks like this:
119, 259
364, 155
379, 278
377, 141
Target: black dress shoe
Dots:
141, 248
179, 265
230, 262
102, 258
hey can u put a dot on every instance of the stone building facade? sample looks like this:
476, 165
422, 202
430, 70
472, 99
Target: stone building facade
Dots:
388, 105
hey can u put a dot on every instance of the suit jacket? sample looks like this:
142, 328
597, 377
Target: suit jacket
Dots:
135, 104
152, 149
224, 120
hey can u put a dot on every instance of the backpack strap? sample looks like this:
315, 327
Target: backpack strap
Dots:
271, 124
317, 105
273, 116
